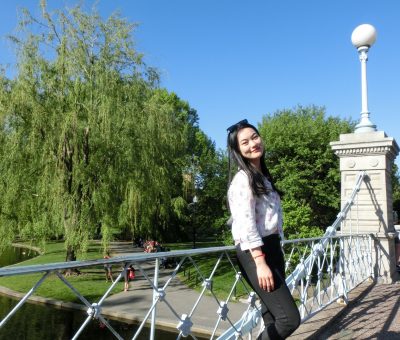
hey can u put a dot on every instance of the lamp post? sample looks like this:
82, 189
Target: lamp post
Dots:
363, 38
192, 207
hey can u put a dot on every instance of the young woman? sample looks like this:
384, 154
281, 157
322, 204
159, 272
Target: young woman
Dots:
256, 228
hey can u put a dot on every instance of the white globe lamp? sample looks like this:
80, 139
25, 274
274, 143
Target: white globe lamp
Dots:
363, 37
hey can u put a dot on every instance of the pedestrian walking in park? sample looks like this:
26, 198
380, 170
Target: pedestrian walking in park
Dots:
257, 230
129, 276
108, 269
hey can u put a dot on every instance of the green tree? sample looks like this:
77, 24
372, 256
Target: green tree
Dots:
204, 179
93, 145
396, 191
304, 167
210, 189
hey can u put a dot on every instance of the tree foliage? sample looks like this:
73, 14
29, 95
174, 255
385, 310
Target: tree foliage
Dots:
90, 144
304, 166
395, 179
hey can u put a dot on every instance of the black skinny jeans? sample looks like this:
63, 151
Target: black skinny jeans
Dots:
280, 314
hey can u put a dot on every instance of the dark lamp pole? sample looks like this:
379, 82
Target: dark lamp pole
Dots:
193, 208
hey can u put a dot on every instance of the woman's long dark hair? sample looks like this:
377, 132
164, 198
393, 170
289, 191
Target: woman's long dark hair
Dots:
255, 177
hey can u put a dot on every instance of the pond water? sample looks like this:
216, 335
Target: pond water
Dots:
36, 321
16, 254
39, 322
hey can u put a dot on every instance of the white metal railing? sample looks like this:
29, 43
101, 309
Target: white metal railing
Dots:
319, 271
344, 262
303, 268
341, 265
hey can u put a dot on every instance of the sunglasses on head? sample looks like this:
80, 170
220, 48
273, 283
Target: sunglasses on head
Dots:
233, 127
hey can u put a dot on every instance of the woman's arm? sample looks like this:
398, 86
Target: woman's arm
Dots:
264, 273
242, 205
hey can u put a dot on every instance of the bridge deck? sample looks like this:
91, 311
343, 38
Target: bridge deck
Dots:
372, 313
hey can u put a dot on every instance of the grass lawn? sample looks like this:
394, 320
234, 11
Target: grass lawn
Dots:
224, 276
91, 283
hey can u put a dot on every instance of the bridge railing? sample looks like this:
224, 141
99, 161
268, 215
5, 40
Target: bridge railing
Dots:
330, 268
342, 264
319, 271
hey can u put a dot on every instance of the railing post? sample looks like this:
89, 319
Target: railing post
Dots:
319, 280
342, 271
155, 296
370, 256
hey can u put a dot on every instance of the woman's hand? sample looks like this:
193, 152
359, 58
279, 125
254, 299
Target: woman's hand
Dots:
264, 274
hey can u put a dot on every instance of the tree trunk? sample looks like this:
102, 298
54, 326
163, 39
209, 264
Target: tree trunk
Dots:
71, 257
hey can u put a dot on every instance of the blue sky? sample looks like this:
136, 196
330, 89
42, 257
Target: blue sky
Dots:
243, 59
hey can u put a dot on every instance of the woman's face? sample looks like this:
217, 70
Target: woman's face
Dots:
250, 145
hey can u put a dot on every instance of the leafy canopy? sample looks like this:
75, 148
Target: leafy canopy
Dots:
304, 167
90, 145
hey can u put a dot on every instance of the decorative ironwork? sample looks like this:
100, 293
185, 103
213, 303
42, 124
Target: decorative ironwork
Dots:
319, 271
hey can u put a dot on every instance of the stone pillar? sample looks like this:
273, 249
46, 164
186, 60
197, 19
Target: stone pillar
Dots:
374, 153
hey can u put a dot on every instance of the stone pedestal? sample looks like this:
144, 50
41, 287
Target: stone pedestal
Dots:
374, 153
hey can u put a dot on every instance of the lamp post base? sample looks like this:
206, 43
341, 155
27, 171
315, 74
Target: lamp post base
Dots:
365, 125
365, 128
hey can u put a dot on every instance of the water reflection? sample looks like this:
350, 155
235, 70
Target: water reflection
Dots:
35, 321
13, 255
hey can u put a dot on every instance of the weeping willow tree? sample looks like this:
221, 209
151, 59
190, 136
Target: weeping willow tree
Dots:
89, 144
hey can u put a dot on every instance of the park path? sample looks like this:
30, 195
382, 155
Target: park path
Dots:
134, 304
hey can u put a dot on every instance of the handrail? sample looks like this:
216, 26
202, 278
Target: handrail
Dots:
20, 270
251, 315
351, 254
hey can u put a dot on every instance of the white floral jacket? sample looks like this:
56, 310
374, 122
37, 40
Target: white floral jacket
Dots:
254, 217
